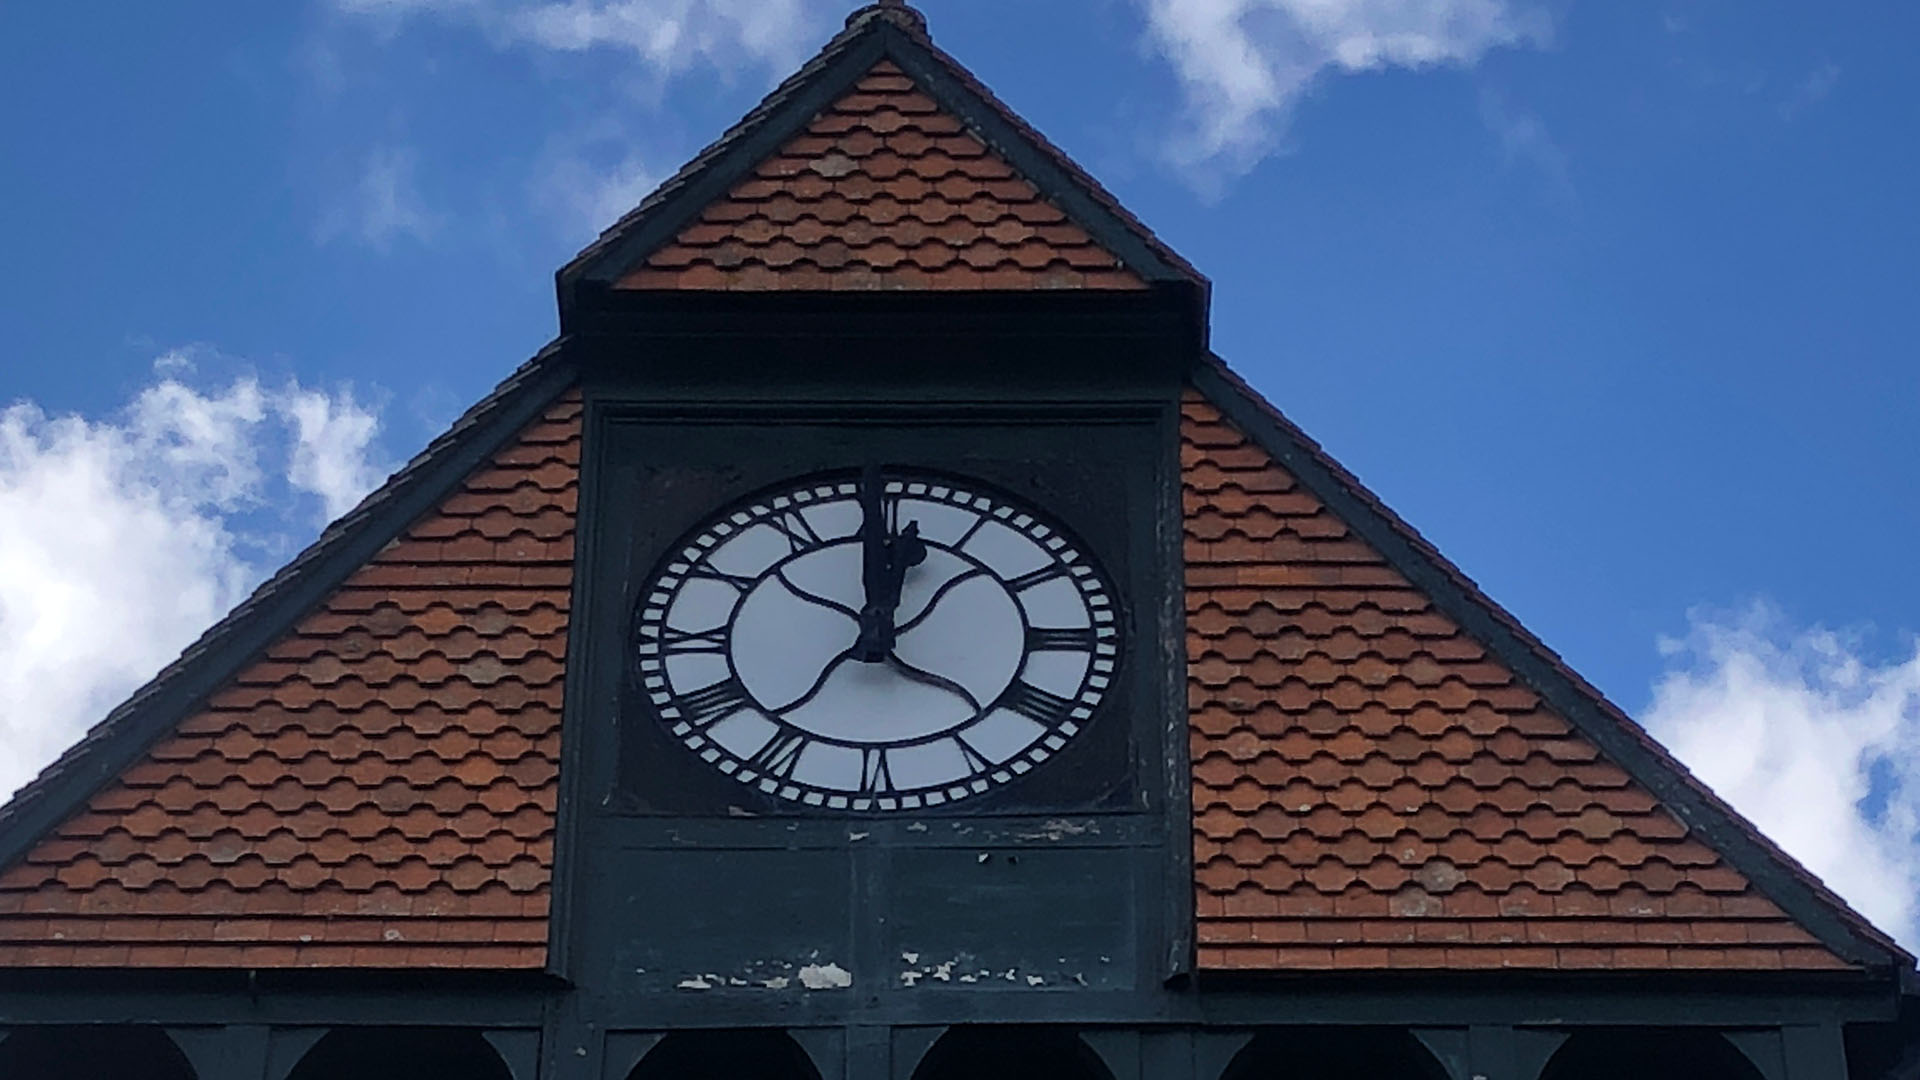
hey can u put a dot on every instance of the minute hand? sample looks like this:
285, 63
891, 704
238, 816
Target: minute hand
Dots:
888, 553
876, 613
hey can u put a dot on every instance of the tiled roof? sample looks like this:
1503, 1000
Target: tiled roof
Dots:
1373, 789
376, 790
885, 189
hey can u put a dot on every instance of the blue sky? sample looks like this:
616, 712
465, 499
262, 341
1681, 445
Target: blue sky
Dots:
1614, 301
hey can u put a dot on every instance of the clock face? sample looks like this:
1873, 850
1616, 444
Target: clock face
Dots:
876, 642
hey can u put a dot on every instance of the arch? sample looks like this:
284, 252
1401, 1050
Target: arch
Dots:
1011, 1053
93, 1052
1334, 1053
745, 1054
1649, 1054
395, 1053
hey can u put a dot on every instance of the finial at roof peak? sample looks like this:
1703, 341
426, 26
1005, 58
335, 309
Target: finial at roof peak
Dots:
898, 12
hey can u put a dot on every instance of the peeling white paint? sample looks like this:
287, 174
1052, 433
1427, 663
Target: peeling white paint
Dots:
909, 978
829, 976
1060, 829
969, 978
984, 856
778, 982
698, 982
857, 836
943, 972
918, 826
1035, 980
910, 957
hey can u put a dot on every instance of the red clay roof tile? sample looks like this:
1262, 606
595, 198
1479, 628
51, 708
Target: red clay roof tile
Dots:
884, 190
1372, 790
376, 791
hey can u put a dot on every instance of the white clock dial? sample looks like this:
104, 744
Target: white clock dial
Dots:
890, 641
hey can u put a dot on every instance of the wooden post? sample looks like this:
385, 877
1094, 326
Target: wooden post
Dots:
1497, 1052
1814, 1052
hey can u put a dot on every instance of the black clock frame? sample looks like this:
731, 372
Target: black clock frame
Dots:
1061, 726
1074, 474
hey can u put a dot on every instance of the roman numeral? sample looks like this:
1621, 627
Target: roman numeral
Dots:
1045, 573
1076, 640
797, 529
707, 572
703, 707
780, 755
693, 641
1048, 710
876, 777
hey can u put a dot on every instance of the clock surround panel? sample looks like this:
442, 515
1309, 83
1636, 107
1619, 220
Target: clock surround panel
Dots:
1089, 477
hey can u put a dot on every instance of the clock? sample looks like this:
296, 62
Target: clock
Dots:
886, 640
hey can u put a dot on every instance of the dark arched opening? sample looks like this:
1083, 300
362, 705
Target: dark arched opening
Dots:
1011, 1053
1649, 1054
93, 1053
401, 1054
1334, 1053
749, 1054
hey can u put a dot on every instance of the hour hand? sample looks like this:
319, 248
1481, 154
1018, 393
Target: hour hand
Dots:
905, 550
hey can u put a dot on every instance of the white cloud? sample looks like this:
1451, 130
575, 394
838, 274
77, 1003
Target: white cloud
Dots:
584, 196
331, 439
588, 178
1245, 63
668, 36
1817, 744
122, 538
383, 205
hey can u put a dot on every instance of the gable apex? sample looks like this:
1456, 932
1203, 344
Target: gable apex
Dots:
881, 165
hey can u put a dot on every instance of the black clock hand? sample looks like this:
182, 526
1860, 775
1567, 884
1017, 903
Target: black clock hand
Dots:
933, 601
876, 617
887, 553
